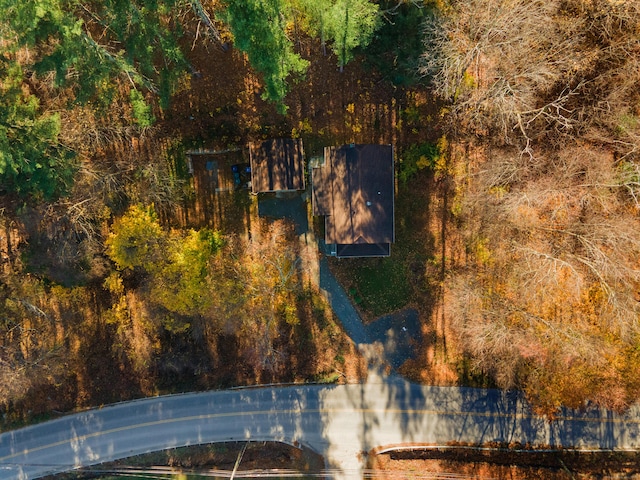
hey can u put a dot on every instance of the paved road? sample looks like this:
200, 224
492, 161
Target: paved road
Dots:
339, 422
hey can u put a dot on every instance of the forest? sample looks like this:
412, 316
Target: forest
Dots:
516, 125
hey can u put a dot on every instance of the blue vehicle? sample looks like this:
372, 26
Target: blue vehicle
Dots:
241, 175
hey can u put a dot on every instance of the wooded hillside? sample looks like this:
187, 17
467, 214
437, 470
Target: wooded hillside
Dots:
113, 285
545, 105
517, 132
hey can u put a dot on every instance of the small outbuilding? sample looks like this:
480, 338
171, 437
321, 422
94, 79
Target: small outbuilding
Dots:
277, 165
354, 190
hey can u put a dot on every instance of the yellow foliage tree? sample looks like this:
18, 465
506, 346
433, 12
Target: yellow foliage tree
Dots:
137, 240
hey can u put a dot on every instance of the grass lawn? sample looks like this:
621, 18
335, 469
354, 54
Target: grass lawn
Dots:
379, 285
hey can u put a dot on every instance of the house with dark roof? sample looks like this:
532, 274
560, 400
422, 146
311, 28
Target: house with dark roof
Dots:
277, 165
354, 190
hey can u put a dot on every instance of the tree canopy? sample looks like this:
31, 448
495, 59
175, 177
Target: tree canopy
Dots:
350, 24
85, 50
137, 240
549, 197
88, 45
259, 29
32, 161
346, 24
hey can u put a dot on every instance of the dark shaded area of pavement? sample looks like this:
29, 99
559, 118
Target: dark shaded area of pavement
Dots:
342, 306
290, 206
398, 332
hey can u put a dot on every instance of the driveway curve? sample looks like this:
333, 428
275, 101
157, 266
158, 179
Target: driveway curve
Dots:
340, 422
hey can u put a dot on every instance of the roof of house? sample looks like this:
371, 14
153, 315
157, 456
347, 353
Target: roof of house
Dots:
213, 178
354, 189
363, 250
277, 165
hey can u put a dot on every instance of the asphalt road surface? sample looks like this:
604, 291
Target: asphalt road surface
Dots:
339, 422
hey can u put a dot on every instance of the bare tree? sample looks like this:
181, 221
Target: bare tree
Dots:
554, 279
536, 70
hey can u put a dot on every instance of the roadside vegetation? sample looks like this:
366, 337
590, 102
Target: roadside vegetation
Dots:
544, 102
218, 460
504, 461
263, 458
515, 125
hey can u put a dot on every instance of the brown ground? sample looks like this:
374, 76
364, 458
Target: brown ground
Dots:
254, 457
222, 106
469, 463
453, 462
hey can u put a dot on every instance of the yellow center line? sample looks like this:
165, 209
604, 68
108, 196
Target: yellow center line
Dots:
165, 421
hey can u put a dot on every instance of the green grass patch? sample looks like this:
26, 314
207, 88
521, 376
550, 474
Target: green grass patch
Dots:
380, 285
328, 377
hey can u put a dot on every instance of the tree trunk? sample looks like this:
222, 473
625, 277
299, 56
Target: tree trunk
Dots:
206, 19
